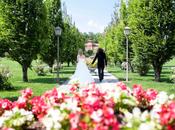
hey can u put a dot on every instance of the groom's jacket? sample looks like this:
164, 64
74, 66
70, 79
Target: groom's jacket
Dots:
101, 60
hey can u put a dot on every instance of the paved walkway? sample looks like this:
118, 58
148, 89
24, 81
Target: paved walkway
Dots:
109, 80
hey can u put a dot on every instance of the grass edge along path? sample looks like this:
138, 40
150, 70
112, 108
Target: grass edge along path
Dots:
146, 81
39, 84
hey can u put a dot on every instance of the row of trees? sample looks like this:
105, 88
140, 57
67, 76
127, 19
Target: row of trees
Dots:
27, 30
152, 38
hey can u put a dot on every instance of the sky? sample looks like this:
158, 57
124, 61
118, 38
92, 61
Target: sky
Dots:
90, 15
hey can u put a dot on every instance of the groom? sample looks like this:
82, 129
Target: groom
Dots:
101, 56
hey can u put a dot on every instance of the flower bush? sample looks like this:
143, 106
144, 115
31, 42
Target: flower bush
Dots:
91, 107
5, 74
41, 68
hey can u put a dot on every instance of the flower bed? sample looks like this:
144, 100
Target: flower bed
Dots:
90, 108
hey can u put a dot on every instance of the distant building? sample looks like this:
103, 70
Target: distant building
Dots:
90, 45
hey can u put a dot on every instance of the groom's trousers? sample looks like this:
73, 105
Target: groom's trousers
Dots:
101, 73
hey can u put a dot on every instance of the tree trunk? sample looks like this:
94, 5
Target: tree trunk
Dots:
50, 70
157, 71
68, 63
24, 71
131, 67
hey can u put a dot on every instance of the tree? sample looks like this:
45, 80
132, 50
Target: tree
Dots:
28, 18
4, 31
156, 24
72, 39
92, 36
54, 19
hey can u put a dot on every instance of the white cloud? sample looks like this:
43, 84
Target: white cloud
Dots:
95, 25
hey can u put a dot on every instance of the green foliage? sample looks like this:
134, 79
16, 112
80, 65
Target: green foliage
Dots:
89, 53
40, 68
72, 40
5, 28
152, 37
172, 78
153, 25
4, 78
141, 65
54, 19
92, 36
28, 21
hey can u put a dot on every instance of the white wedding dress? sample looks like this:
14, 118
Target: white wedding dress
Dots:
82, 73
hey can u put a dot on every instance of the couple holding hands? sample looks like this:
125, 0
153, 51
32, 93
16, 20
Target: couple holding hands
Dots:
82, 73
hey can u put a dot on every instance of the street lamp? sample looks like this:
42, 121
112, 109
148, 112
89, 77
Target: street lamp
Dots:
58, 33
127, 32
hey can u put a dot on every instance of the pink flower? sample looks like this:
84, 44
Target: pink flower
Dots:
74, 119
167, 115
20, 103
5, 104
27, 93
8, 129
122, 85
39, 107
83, 125
151, 94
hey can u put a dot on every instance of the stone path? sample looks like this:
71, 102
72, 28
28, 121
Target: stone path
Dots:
109, 80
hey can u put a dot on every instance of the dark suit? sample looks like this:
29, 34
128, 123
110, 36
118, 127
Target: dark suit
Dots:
101, 56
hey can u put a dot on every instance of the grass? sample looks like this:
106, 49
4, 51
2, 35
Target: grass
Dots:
39, 84
148, 80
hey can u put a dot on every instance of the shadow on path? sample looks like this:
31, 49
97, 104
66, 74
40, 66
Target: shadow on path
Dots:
48, 80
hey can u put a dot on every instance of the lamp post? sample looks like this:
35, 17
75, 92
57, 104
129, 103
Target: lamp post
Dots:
127, 32
58, 33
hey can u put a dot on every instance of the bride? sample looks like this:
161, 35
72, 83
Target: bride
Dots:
82, 74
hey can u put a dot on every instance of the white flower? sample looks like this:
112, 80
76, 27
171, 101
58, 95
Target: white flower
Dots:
147, 126
154, 112
162, 98
53, 119
128, 116
48, 122
96, 115
91, 99
136, 112
2, 119
70, 104
144, 116
172, 96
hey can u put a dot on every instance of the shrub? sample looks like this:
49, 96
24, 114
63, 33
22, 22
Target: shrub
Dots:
141, 66
5, 74
91, 107
172, 78
41, 69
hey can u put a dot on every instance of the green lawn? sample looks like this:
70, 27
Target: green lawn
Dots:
39, 84
148, 81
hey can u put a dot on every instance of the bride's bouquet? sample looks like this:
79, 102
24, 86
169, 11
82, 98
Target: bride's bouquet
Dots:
91, 66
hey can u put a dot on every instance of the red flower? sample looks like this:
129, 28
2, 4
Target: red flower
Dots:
5, 104
20, 103
39, 107
151, 94
27, 93
167, 115
122, 85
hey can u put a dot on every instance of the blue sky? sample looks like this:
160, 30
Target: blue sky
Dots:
90, 15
